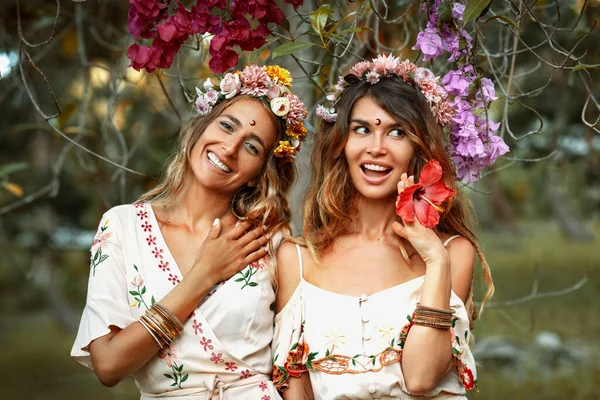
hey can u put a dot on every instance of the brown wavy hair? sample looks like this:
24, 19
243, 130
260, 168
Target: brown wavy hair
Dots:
330, 199
265, 203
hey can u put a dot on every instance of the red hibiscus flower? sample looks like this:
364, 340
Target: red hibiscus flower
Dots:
423, 199
467, 378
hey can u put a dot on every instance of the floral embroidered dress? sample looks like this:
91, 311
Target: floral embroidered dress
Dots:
224, 349
352, 346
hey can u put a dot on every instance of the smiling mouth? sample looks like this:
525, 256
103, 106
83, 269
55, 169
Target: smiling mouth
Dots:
375, 171
214, 160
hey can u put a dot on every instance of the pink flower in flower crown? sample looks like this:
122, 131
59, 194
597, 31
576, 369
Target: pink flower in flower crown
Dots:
404, 68
443, 112
327, 114
211, 96
230, 84
340, 84
383, 63
360, 68
372, 77
254, 80
297, 109
202, 105
274, 92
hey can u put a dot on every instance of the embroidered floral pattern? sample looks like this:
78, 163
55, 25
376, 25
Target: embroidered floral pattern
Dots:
245, 374
217, 358
100, 242
140, 289
168, 354
206, 343
230, 366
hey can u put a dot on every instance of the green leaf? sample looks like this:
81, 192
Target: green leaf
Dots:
66, 113
152, 300
502, 18
168, 376
457, 339
184, 378
294, 346
96, 256
354, 362
474, 9
143, 289
134, 293
466, 335
409, 318
327, 353
455, 351
285, 25
318, 18
393, 341
454, 321
179, 368
135, 267
175, 383
275, 358
289, 48
356, 356
253, 284
8, 169
373, 360
578, 68
239, 279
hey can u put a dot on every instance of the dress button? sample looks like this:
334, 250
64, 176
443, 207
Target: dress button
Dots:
363, 297
372, 388
366, 336
365, 319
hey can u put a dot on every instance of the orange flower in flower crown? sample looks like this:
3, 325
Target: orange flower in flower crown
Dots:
424, 199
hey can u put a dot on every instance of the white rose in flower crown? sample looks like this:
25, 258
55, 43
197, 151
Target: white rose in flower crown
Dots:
295, 143
230, 85
280, 106
274, 92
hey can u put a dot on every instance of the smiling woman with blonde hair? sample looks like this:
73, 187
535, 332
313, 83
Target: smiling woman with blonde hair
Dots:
180, 291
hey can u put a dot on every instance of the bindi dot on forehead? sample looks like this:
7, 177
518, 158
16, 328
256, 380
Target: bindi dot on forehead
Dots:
252, 123
377, 121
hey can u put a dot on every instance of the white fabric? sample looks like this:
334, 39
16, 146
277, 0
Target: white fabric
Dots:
224, 350
352, 346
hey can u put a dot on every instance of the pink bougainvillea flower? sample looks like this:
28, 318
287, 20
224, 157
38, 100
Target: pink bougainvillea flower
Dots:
423, 199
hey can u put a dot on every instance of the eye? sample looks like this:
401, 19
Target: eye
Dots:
252, 148
226, 125
396, 133
361, 130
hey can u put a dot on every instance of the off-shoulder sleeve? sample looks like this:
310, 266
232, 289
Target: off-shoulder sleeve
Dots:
461, 338
107, 302
289, 348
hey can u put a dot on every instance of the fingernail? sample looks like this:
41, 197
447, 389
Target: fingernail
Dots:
268, 235
216, 221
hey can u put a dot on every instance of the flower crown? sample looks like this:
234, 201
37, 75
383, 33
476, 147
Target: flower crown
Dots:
269, 83
386, 67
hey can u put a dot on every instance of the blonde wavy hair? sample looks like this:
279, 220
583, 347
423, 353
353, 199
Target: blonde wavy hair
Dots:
329, 203
263, 204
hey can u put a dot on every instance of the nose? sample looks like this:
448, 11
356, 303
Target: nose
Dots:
377, 145
232, 145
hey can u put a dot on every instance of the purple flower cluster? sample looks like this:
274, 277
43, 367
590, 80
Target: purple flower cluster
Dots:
473, 142
444, 34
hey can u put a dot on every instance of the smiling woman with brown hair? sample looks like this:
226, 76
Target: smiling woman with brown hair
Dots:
377, 303
180, 292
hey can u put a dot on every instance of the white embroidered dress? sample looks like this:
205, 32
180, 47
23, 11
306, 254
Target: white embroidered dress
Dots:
224, 349
352, 346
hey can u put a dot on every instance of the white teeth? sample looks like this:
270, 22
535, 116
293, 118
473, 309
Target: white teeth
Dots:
215, 161
374, 167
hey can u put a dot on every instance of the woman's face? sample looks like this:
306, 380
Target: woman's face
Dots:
377, 150
233, 148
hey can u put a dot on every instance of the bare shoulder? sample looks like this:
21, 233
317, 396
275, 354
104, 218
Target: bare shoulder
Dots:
288, 273
462, 261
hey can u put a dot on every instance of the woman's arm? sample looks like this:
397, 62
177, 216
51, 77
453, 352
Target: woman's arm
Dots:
288, 278
427, 353
124, 351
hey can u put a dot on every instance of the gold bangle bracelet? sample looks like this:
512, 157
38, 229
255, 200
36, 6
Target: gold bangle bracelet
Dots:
151, 333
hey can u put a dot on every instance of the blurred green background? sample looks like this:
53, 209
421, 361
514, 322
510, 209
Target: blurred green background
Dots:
538, 208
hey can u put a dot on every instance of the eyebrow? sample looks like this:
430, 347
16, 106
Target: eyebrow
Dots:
239, 124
